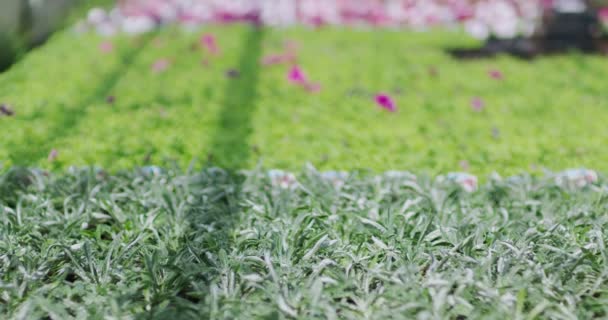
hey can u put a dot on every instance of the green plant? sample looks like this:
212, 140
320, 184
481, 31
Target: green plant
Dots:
549, 112
215, 244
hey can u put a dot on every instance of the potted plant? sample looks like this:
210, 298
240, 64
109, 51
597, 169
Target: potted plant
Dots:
600, 8
504, 26
568, 24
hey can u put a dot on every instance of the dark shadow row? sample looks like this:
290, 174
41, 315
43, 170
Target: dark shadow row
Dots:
229, 146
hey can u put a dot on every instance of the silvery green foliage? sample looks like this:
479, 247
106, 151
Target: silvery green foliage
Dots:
161, 244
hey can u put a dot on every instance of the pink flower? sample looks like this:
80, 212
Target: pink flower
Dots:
273, 59
477, 104
578, 178
297, 76
386, 102
467, 182
603, 14
106, 47
210, 44
282, 179
289, 55
495, 74
53, 155
161, 65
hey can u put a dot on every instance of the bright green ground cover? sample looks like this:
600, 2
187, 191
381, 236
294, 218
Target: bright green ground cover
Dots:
550, 112
212, 245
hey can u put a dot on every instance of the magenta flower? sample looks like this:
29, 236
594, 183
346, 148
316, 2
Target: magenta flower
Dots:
210, 44
161, 65
495, 74
106, 47
386, 102
477, 104
297, 76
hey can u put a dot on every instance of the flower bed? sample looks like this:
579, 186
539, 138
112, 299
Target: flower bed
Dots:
503, 19
397, 102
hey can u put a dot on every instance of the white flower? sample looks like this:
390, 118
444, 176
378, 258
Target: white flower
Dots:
337, 178
466, 181
282, 179
578, 178
138, 24
76, 247
106, 29
96, 16
151, 170
393, 174
477, 29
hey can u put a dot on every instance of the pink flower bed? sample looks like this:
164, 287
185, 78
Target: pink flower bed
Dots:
481, 18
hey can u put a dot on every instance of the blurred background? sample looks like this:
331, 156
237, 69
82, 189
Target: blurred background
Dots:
26, 23
109, 50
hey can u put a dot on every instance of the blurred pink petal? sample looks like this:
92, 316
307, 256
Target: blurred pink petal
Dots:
289, 55
53, 155
273, 59
578, 178
313, 87
386, 102
464, 165
495, 74
297, 76
477, 104
210, 44
291, 46
603, 14
161, 65
106, 47
466, 181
